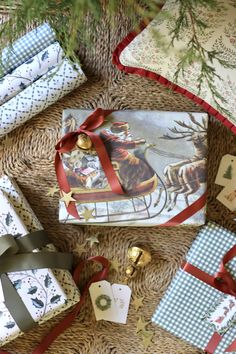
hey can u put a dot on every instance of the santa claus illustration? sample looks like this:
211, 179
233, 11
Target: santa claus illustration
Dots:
132, 167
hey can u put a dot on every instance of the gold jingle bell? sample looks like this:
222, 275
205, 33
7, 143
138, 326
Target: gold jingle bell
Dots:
139, 257
84, 142
131, 271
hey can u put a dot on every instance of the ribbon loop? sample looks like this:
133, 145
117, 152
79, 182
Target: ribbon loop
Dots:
16, 254
8, 246
224, 282
67, 143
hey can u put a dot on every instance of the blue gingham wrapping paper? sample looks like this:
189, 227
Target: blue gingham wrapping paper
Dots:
188, 299
25, 48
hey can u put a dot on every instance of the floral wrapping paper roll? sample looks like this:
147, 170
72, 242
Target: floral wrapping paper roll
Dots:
42, 93
30, 71
25, 48
19, 218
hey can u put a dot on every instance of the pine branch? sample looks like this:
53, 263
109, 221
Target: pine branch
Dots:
69, 18
196, 52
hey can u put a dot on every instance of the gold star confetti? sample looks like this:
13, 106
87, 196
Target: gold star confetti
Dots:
141, 325
92, 240
67, 198
80, 248
114, 264
147, 338
88, 214
137, 302
52, 191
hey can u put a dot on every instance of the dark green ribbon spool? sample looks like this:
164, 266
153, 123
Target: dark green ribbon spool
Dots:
16, 255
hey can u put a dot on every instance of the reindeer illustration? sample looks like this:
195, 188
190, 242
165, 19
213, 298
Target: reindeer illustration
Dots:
186, 176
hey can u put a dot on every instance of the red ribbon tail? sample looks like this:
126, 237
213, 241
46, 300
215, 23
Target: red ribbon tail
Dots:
188, 212
231, 348
213, 343
67, 321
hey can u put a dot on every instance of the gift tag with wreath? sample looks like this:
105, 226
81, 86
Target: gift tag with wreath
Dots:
110, 302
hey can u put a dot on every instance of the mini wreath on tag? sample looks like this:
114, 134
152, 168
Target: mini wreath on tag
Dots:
103, 302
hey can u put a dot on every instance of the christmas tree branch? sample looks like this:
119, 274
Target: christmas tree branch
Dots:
196, 52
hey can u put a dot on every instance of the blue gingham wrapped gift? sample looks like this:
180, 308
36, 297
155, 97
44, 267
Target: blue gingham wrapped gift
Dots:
194, 310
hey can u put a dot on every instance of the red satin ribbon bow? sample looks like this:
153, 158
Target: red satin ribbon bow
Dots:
67, 321
222, 281
67, 143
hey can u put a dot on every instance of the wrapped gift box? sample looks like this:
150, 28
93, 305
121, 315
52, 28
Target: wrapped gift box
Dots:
194, 310
44, 292
159, 159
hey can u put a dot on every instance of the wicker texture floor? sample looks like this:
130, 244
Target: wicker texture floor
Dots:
29, 159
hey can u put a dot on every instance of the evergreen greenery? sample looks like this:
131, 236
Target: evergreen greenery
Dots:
69, 18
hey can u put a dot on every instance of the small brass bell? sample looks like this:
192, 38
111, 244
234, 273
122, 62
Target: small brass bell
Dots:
138, 258
84, 142
131, 272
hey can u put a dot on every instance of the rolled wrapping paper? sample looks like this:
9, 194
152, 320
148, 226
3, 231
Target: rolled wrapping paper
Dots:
39, 289
28, 218
25, 48
30, 71
42, 93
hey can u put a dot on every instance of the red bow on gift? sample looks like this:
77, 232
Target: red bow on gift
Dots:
68, 142
222, 281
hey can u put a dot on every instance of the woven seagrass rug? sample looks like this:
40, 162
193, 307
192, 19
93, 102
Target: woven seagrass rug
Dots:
29, 159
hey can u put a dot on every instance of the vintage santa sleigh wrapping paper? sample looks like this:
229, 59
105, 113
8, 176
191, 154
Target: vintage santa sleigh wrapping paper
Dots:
159, 159
45, 292
200, 304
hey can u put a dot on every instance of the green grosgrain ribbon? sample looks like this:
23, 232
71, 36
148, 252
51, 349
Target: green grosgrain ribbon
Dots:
16, 255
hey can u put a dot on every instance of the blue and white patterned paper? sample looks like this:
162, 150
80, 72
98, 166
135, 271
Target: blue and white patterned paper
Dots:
25, 48
45, 91
30, 71
28, 218
38, 288
187, 300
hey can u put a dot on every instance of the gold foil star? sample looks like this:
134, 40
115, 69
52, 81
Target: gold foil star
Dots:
92, 240
141, 325
52, 191
114, 264
147, 338
67, 198
137, 302
88, 214
80, 248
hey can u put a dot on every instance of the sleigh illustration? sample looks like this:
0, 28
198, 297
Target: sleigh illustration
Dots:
152, 191
93, 191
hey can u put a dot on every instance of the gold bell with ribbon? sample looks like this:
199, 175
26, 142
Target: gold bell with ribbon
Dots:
84, 142
138, 258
